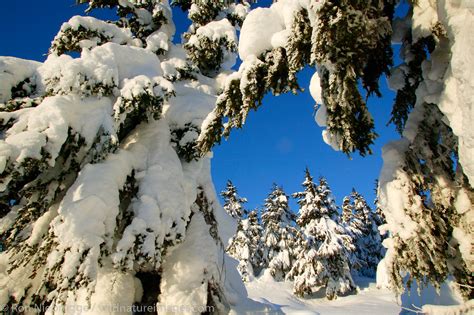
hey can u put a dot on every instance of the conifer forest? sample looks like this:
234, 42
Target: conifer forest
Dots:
107, 200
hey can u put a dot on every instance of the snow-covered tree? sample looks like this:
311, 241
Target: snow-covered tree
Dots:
366, 237
426, 183
103, 157
323, 261
246, 246
351, 224
307, 200
292, 34
347, 210
427, 204
379, 216
100, 180
232, 201
350, 43
362, 225
279, 234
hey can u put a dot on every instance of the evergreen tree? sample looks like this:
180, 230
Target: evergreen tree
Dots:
233, 202
347, 211
349, 42
279, 233
246, 246
324, 258
92, 169
352, 226
307, 200
99, 184
379, 216
426, 184
319, 36
368, 246
426, 206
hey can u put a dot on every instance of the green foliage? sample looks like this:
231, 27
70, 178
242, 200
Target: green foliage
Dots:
130, 16
184, 142
380, 58
323, 259
23, 95
24, 88
298, 47
83, 85
34, 186
413, 76
366, 237
227, 105
185, 73
206, 11
273, 71
430, 253
69, 39
184, 5
233, 202
348, 117
140, 108
20, 103
346, 54
279, 233
203, 205
208, 54
256, 78
307, 201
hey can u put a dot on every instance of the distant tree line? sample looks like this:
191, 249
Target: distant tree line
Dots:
319, 248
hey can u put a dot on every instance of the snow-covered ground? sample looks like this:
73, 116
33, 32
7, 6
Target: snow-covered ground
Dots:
368, 301
277, 298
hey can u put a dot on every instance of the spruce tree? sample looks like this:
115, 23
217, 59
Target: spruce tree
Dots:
323, 261
349, 42
379, 216
352, 226
347, 210
279, 234
368, 246
233, 202
319, 36
427, 204
98, 183
246, 246
431, 49
84, 137
426, 184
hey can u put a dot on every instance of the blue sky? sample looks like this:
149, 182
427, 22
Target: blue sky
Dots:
277, 142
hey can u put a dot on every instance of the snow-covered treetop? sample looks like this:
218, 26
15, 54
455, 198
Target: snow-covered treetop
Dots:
347, 210
315, 202
325, 199
307, 200
233, 202
276, 208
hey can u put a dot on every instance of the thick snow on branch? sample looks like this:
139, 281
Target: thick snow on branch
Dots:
457, 102
267, 28
13, 71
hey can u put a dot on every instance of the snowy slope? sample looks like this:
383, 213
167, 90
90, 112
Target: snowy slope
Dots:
279, 296
368, 300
